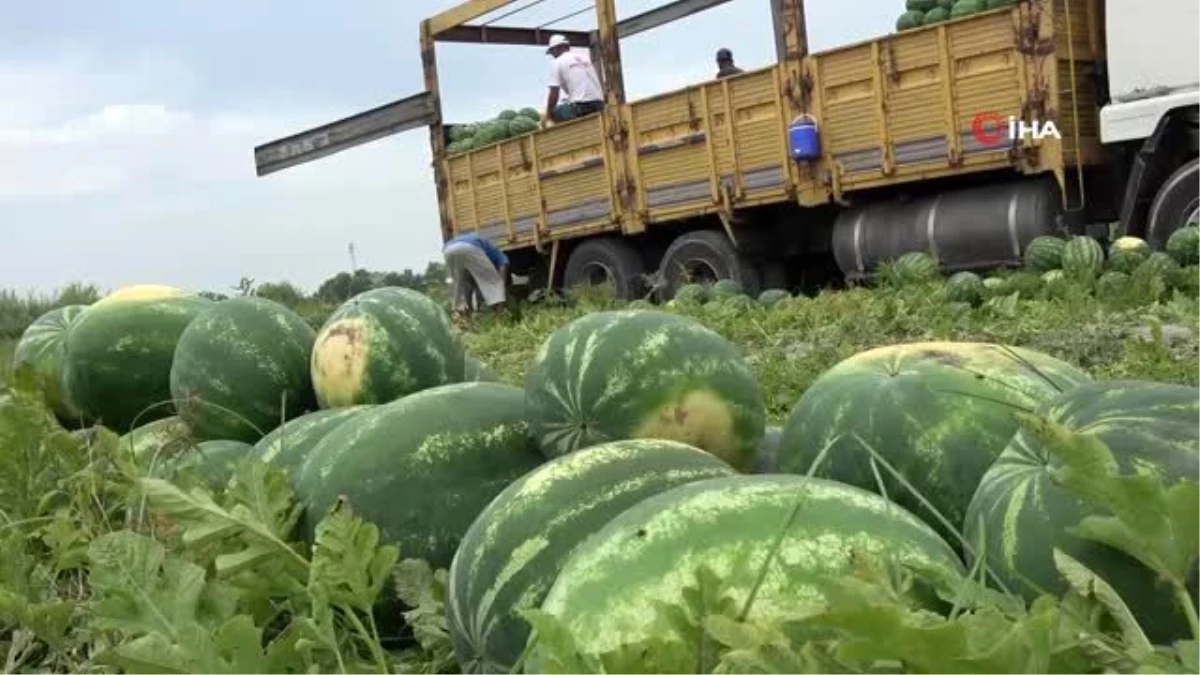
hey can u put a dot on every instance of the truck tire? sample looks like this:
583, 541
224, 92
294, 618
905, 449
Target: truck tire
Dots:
606, 260
706, 256
1176, 202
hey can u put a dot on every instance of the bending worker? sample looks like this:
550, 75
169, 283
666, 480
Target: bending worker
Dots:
471, 258
571, 73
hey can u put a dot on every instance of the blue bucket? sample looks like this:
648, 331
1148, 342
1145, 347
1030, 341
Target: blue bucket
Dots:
804, 139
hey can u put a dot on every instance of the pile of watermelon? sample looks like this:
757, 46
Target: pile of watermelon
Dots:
508, 124
928, 12
635, 456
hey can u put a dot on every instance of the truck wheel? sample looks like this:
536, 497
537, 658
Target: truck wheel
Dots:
705, 256
1176, 204
606, 261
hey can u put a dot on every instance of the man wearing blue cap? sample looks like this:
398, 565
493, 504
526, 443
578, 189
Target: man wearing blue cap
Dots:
475, 264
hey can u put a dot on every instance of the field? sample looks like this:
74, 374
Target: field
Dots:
114, 567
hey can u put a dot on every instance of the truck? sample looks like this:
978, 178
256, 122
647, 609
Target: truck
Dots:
966, 138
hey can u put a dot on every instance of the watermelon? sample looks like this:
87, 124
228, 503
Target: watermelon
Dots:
910, 19
40, 347
289, 445
644, 374
935, 15
1184, 245
381, 345
725, 288
738, 303
1112, 284
515, 548
692, 293
965, 287
993, 285
212, 462
521, 125
1186, 280
1148, 427
767, 459
1082, 258
506, 115
422, 467
915, 266
920, 5
966, 8
772, 297
241, 368
1158, 264
157, 442
946, 4
117, 355
475, 370
1044, 253
1022, 281
649, 554
531, 113
1126, 253
938, 412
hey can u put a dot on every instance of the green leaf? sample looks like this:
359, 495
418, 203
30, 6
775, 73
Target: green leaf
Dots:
138, 589
1088, 584
253, 534
348, 561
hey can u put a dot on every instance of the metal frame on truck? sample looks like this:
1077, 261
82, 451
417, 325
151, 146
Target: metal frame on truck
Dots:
704, 176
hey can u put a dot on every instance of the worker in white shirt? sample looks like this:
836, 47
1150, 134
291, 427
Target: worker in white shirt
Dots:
571, 73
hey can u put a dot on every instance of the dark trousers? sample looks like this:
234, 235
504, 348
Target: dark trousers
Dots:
569, 111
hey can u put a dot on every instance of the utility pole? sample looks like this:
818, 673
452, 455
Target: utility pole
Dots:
353, 262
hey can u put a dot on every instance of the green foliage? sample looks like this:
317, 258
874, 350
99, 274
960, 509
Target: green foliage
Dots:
106, 568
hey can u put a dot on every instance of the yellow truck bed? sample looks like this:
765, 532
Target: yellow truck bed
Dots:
891, 110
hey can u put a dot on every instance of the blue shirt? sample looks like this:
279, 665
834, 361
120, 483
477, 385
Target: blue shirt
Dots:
494, 254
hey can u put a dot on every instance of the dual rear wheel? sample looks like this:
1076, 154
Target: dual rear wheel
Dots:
702, 256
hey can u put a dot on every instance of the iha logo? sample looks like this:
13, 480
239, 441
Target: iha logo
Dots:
990, 128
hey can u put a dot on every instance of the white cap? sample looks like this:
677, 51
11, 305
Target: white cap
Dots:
556, 41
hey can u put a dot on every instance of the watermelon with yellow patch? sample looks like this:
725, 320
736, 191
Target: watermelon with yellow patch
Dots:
938, 412
382, 345
613, 375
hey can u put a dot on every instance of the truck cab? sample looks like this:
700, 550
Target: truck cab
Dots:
709, 181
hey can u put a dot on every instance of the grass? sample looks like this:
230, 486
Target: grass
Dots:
791, 345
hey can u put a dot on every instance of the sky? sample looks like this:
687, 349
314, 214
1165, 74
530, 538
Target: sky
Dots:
127, 127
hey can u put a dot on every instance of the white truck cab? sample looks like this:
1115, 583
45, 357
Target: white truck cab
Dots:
1153, 80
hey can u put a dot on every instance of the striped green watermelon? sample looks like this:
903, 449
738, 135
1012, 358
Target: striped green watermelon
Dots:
605, 595
692, 293
1184, 245
155, 443
515, 548
772, 297
1082, 258
725, 288
422, 467
41, 348
289, 445
1044, 253
1158, 264
915, 266
938, 412
767, 459
241, 369
965, 287
1149, 427
381, 345
1112, 285
211, 462
1126, 253
1027, 283
644, 374
117, 355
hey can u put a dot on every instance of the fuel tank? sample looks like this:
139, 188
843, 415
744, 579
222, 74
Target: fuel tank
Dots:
967, 229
